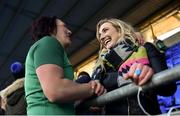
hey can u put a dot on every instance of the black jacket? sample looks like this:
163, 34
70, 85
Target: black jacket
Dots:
149, 98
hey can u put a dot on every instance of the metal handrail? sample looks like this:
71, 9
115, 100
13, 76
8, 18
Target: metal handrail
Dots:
166, 76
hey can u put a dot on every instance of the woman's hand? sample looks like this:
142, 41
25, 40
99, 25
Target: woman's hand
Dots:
140, 38
3, 103
139, 73
97, 88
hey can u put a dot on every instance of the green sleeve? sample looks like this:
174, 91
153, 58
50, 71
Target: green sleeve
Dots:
48, 51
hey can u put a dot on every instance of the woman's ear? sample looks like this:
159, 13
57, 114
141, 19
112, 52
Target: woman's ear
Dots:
120, 32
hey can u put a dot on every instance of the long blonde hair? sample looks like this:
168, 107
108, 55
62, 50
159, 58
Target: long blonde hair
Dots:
126, 32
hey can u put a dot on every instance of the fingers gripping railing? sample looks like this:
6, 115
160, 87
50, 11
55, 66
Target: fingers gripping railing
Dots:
166, 76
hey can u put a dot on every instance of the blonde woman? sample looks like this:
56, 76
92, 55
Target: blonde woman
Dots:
123, 60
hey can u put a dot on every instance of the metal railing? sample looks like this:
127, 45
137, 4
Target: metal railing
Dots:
166, 76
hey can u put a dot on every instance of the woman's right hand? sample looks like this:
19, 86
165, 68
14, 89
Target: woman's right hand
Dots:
145, 73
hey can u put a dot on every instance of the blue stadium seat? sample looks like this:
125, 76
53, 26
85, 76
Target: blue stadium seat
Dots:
172, 59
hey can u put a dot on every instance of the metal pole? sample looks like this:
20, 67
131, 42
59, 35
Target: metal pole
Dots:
166, 76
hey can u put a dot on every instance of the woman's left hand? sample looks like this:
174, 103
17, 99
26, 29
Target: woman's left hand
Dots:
139, 38
139, 73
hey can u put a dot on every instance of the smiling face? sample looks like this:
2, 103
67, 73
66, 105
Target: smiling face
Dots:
63, 33
108, 35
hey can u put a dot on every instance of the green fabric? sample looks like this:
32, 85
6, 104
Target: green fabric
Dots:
45, 51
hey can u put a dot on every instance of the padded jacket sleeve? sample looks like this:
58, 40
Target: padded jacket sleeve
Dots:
158, 63
107, 78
